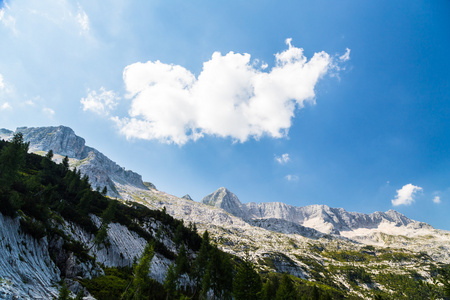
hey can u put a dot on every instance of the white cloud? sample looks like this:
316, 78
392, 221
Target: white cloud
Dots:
345, 56
291, 177
405, 195
83, 19
5, 106
437, 199
283, 159
231, 97
6, 19
2, 84
48, 111
101, 103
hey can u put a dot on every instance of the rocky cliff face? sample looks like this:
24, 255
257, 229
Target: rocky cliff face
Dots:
32, 269
64, 142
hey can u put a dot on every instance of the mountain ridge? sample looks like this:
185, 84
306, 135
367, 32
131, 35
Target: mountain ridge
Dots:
320, 217
62, 140
306, 242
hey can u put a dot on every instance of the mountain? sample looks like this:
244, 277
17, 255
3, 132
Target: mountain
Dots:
223, 198
357, 254
321, 218
64, 142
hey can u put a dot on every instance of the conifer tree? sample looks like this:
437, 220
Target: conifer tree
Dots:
220, 275
269, 288
65, 162
246, 283
138, 287
12, 159
182, 262
170, 282
286, 289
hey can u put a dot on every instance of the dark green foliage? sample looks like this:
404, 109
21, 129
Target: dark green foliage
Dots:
33, 227
286, 290
64, 293
269, 288
182, 261
111, 285
140, 286
200, 263
355, 274
170, 282
247, 282
219, 274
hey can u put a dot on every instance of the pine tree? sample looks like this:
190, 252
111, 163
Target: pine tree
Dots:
200, 263
178, 237
64, 293
140, 282
286, 290
12, 159
269, 288
182, 262
65, 162
170, 282
220, 274
247, 283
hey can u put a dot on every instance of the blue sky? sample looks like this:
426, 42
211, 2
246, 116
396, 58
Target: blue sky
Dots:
202, 94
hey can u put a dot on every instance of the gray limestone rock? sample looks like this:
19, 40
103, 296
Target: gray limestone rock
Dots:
101, 170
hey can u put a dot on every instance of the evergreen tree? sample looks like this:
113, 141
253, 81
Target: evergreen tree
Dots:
140, 283
220, 274
269, 288
182, 262
247, 283
107, 217
49, 154
178, 237
286, 290
170, 282
12, 160
200, 263
65, 162
315, 293
64, 293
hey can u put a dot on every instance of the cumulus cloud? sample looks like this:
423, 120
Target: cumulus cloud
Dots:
5, 106
291, 177
405, 195
283, 159
2, 84
437, 199
231, 97
101, 102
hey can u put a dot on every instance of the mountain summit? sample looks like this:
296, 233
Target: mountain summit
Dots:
63, 141
223, 198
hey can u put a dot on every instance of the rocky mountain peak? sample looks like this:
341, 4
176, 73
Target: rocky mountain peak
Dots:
101, 170
187, 197
5, 134
223, 198
60, 139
